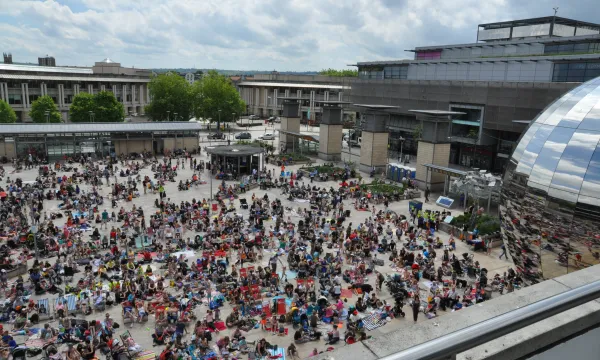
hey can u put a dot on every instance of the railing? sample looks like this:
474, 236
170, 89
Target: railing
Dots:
446, 347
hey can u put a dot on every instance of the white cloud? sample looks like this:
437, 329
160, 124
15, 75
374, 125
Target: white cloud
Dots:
247, 34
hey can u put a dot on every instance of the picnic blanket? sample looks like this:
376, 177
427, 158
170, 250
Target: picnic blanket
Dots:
37, 342
373, 321
220, 325
346, 293
145, 355
277, 354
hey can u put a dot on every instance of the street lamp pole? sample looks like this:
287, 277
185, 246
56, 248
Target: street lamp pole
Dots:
168, 115
219, 124
47, 113
233, 122
91, 116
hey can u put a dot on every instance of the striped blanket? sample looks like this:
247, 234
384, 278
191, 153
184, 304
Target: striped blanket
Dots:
277, 354
145, 355
373, 321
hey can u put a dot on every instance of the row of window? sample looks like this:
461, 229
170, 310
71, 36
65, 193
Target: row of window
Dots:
428, 55
588, 47
388, 72
576, 72
16, 99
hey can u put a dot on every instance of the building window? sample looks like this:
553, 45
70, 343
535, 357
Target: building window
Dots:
14, 99
370, 72
428, 55
395, 72
581, 48
576, 71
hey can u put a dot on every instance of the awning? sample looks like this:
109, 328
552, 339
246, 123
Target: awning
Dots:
308, 137
445, 170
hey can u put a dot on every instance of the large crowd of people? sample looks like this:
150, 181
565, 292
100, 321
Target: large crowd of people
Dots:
205, 277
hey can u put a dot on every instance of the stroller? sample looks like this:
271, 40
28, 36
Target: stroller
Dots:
244, 204
19, 353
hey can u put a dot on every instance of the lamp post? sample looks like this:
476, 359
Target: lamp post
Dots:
47, 113
232, 121
219, 123
175, 117
91, 116
168, 115
401, 139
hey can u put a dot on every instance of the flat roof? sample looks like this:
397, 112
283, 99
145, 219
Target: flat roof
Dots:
308, 137
445, 170
538, 20
484, 59
333, 102
376, 106
437, 112
73, 78
99, 127
48, 69
295, 85
566, 39
234, 150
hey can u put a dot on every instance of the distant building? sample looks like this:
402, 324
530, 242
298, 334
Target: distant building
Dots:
21, 85
46, 61
7, 58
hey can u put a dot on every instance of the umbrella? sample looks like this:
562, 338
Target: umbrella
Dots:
3, 194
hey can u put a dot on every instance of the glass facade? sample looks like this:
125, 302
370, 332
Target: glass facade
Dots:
576, 71
550, 206
395, 72
587, 47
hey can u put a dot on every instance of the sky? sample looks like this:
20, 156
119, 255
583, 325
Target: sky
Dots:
283, 35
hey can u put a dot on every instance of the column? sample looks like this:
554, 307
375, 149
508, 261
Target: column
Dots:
102, 87
42, 89
61, 97
330, 133
147, 94
312, 105
340, 96
290, 121
326, 95
2, 93
90, 89
27, 95
45, 89
142, 112
373, 149
275, 94
266, 92
114, 90
75, 89
133, 94
287, 93
24, 100
124, 95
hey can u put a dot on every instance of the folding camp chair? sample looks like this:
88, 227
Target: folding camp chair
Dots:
141, 355
43, 309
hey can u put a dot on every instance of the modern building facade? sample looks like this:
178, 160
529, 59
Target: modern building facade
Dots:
264, 92
55, 141
501, 82
550, 203
21, 85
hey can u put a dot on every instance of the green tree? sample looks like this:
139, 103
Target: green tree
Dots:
7, 114
339, 73
216, 99
80, 109
108, 109
43, 105
103, 106
170, 94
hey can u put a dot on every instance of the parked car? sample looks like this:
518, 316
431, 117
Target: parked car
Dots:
267, 136
244, 135
278, 120
217, 136
253, 117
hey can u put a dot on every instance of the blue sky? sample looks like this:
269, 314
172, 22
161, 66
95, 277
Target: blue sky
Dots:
296, 35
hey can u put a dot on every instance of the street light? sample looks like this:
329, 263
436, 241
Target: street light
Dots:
175, 117
168, 115
401, 139
47, 113
233, 121
91, 116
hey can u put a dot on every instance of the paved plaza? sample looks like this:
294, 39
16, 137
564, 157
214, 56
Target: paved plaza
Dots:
142, 332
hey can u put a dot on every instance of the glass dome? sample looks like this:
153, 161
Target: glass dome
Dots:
550, 200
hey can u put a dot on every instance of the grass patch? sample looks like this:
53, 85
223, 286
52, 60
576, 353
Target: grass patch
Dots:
256, 143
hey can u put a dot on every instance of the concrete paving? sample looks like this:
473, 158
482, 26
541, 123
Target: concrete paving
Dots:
141, 332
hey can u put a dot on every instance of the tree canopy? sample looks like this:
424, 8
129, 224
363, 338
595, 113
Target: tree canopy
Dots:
42, 105
214, 93
7, 114
104, 107
171, 95
339, 73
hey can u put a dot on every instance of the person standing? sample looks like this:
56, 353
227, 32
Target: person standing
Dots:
503, 252
415, 307
427, 192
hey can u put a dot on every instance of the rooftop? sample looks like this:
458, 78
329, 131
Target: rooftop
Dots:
293, 85
234, 150
12, 129
376, 106
48, 69
437, 112
539, 20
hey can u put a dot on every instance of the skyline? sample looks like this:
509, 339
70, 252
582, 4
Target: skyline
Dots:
261, 35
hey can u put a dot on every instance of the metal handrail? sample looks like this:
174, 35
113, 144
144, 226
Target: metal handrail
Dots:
485, 331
